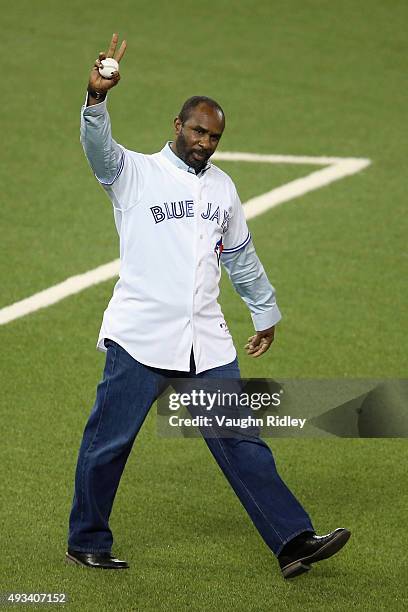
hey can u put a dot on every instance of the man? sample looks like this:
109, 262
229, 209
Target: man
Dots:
177, 217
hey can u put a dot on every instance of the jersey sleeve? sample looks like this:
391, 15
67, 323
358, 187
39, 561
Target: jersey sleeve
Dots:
125, 187
119, 171
237, 235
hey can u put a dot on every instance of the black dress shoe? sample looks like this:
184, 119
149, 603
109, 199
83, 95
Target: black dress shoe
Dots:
298, 555
98, 560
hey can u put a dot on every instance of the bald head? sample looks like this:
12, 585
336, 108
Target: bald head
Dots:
195, 101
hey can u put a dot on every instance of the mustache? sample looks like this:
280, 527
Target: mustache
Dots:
203, 152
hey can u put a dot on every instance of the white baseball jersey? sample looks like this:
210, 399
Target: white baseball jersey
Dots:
173, 227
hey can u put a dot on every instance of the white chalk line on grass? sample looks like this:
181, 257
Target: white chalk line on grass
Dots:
336, 168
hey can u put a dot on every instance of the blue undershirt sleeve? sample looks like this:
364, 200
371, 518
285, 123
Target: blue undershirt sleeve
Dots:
249, 279
105, 156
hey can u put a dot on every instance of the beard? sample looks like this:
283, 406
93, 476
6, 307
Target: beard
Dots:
185, 152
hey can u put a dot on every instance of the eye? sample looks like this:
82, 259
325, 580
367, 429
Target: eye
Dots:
199, 130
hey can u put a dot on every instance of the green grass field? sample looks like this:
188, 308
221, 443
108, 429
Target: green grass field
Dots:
300, 77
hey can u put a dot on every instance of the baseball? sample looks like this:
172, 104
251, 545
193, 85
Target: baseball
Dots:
109, 67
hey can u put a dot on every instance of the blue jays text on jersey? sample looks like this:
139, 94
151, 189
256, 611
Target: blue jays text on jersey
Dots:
185, 208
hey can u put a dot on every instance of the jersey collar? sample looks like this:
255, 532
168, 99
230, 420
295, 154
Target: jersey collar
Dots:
174, 159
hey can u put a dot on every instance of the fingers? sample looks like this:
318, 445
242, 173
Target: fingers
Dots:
115, 77
252, 345
112, 46
262, 348
250, 342
258, 345
102, 55
121, 52
99, 83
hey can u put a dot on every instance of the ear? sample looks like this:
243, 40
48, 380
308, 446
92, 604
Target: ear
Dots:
178, 125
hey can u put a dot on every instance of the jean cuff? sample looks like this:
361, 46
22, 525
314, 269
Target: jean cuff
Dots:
91, 551
305, 529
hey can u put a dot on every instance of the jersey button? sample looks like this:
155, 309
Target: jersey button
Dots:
201, 236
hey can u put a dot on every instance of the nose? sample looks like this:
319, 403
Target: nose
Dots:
204, 142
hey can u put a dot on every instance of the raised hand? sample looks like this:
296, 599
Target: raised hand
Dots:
99, 84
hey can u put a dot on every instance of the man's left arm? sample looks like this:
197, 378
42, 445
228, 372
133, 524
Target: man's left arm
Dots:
249, 279
251, 283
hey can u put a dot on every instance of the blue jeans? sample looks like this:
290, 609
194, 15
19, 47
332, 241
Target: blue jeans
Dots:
123, 399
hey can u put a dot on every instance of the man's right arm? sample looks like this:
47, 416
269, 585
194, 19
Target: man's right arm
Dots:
103, 153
